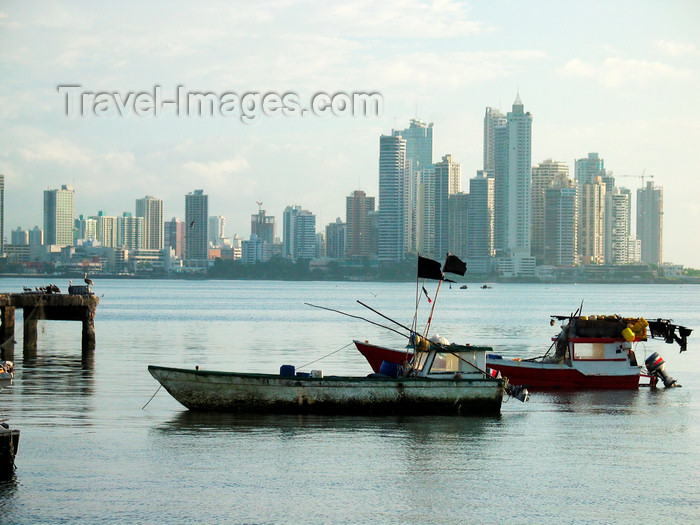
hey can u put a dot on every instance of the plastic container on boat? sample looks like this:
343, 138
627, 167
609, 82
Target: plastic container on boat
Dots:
390, 369
317, 374
287, 370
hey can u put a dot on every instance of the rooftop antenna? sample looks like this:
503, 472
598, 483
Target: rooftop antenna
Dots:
259, 203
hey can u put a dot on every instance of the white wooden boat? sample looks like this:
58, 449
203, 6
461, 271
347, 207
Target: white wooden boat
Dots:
442, 381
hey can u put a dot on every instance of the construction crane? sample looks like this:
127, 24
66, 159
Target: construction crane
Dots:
642, 176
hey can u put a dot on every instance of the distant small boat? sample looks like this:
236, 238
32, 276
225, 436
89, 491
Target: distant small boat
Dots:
463, 287
485, 287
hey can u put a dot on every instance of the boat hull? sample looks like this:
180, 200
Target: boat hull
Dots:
554, 376
533, 375
266, 393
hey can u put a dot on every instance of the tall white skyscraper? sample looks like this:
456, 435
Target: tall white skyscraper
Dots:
59, 216
130, 232
196, 217
106, 230
480, 217
617, 226
447, 181
394, 199
513, 176
151, 209
650, 215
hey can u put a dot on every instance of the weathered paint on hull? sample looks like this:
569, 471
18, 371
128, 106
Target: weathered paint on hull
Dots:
240, 392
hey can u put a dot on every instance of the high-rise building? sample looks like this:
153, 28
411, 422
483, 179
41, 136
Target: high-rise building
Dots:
493, 119
174, 236
263, 226
513, 175
544, 176
87, 228
617, 226
151, 209
458, 231
359, 240
395, 215
335, 239
20, 237
560, 223
106, 230
591, 231
650, 214
196, 218
299, 233
446, 181
419, 158
480, 217
586, 169
2, 215
36, 236
130, 232
217, 230
59, 215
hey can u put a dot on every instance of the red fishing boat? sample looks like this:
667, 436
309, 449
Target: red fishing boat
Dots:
595, 352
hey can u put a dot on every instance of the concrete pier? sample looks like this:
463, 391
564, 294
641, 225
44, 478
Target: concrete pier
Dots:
51, 306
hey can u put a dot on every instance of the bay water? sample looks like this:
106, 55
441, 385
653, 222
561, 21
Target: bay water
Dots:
91, 453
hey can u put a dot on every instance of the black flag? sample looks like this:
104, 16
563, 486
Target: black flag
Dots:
454, 264
429, 269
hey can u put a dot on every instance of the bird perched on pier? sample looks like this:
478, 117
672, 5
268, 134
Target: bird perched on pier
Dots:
87, 280
26, 288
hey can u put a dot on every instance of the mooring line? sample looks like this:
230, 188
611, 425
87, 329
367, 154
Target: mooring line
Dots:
154, 395
333, 352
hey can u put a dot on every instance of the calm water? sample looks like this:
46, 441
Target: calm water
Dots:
89, 453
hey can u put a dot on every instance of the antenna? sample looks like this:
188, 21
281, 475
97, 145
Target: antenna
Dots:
259, 203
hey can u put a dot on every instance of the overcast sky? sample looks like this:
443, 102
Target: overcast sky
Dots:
617, 78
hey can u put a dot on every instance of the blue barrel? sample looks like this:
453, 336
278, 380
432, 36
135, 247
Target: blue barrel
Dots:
287, 370
390, 369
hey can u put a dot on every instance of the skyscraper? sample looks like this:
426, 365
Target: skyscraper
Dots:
196, 216
151, 209
359, 240
493, 119
419, 158
59, 216
335, 239
480, 217
617, 226
299, 233
447, 181
560, 223
217, 230
130, 232
458, 234
513, 175
174, 236
544, 176
650, 214
263, 226
106, 230
591, 236
394, 203
586, 169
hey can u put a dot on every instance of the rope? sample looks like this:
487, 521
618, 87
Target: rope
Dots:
154, 395
328, 355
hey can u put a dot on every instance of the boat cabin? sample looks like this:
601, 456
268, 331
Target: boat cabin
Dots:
441, 360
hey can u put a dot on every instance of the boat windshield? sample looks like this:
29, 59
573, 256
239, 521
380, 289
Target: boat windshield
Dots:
446, 362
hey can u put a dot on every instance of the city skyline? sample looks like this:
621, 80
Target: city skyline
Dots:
593, 83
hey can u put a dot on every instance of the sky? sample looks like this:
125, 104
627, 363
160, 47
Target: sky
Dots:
617, 78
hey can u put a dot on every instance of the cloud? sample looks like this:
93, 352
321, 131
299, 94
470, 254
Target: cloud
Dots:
614, 72
676, 48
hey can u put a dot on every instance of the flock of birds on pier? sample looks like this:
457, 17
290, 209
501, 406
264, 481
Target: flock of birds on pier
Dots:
52, 288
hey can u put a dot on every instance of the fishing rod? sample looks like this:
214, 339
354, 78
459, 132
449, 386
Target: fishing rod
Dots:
387, 318
358, 317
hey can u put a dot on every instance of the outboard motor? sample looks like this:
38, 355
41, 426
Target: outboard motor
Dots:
519, 392
656, 368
